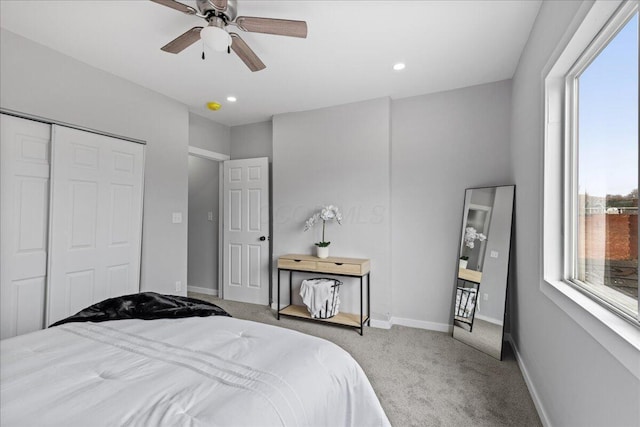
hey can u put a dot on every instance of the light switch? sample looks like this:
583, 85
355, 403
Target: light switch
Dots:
210, 216
176, 217
485, 296
494, 254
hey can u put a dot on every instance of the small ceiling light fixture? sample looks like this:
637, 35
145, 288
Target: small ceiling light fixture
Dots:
213, 106
399, 66
215, 36
231, 98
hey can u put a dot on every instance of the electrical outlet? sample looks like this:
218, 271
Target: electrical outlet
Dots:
210, 216
485, 296
178, 286
494, 254
176, 217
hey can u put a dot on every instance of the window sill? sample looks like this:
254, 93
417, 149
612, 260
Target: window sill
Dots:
617, 336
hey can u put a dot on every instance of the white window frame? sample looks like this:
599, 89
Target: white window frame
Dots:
608, 33
619, 336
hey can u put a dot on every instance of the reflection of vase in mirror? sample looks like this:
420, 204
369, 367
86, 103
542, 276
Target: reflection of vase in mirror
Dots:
478, 217
481, 287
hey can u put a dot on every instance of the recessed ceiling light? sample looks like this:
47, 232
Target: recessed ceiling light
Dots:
399, 66
231, 98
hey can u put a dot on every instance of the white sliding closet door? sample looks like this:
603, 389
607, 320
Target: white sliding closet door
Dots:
96, 220
24, 211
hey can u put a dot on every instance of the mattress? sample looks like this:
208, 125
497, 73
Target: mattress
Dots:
197, 371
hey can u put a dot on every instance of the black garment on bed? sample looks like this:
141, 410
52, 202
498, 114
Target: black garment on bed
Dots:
147, 306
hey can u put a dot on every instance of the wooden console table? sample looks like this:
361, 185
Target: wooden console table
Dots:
353, 267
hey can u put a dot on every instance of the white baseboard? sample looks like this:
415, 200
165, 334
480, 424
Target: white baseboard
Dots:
387, 324
489, 319
527, 379
421, 324
200, 290
380, 324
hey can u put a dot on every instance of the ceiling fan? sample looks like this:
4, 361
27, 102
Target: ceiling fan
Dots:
223, 13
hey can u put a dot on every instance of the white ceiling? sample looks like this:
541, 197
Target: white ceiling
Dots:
347, 57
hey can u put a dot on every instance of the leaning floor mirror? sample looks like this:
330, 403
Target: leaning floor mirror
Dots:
483, 268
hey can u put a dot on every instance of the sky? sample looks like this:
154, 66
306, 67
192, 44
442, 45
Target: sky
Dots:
608, 118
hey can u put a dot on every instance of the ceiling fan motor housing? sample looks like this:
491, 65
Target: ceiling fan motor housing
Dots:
208, 9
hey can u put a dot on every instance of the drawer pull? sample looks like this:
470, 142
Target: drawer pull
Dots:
338, 263
297, 260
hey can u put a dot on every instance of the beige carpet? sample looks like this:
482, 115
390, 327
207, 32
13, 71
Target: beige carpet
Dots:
486, 337
422, 378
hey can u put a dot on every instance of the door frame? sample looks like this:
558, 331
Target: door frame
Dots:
47, 121
220, 158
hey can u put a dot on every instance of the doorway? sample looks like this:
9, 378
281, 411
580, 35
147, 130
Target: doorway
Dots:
229, 248
203, 270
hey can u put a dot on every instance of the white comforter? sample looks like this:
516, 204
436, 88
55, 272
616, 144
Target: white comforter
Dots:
212, 371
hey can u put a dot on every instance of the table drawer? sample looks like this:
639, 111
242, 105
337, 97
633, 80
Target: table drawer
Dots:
340, 268
297, 264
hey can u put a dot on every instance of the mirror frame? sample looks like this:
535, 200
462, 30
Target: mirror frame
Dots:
507, 272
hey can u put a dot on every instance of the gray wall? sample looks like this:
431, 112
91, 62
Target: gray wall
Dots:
37, 80
468, 128
441, 144
209, 135
577, 380
339, 156
252, 141
203, 234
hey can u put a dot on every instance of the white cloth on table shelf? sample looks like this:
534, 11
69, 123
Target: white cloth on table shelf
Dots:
315, 293
465, 302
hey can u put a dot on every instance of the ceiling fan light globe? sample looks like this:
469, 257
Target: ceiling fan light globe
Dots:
216, 38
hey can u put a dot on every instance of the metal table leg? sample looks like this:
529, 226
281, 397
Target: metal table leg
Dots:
369, 299
290, 287
361, 323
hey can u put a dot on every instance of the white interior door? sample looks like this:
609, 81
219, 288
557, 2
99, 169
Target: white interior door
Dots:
24, 211
95, 222
246, 230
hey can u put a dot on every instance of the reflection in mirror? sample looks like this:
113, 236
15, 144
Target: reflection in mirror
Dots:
483, 267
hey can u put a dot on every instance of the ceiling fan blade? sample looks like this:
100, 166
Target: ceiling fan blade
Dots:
220, 5
245, 53
182, 42
280, 27
177, 6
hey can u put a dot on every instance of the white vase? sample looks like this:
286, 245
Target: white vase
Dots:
463, 263
323, 252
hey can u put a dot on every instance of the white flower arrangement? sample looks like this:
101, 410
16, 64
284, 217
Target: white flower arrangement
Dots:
327, 213
471, 235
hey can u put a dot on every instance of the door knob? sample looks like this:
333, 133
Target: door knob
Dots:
262, 238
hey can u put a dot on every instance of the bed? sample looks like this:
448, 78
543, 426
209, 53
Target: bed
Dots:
189, 371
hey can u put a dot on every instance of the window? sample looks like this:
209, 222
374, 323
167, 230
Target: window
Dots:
601, 167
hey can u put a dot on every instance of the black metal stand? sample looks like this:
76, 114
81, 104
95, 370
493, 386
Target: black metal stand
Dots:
363, 319
460, 311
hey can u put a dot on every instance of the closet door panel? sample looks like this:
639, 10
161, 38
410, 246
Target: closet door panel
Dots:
96, 220
24, 210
